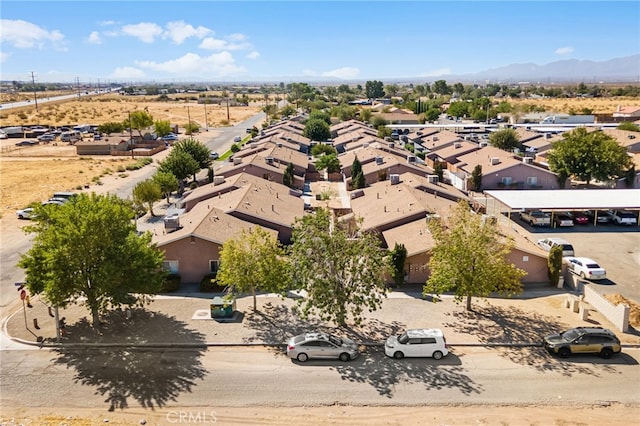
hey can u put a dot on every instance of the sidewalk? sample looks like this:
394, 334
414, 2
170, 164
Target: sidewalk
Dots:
184, 320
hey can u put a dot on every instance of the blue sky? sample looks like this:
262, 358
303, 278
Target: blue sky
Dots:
167, 41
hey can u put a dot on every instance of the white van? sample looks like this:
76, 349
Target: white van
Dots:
417, 343
71, 136
547, 244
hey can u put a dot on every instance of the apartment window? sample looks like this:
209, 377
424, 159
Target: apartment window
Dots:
214, 265
171, 266
507, 180
532, 180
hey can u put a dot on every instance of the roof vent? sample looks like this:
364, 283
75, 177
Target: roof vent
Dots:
357, 194
435, 139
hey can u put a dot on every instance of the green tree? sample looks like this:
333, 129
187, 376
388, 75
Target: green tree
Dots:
438, 169
632, 127
329, 162
359, 181
180, 164
317, 130
147, 192
139, 120
322, 149
440, 87
87, 252
255, 261
397, 258
365, 115
197, 150
470, 258
432, 114
476, 178
505, 139
356, 166
162, 127
168, 183
317, 114
588, 156
341, 271
111, 127
191, 128
288, 176
554, 262
458, 109
374, 89
287, 111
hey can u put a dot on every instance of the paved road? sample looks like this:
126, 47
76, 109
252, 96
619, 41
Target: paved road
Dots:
260, 376
45, 100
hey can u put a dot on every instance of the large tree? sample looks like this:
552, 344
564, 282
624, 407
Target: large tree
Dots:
197, 150
168, 183
328, 162
589, 155
87, 251
255, 261
374, 89
146, 193
317, 129
162, 127
139, 120
470, 258
341, 268
180, 164
288, 178
505, 139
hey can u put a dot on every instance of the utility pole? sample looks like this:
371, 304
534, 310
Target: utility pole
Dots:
131, 135
35, 96
189, 118
78, 86
228, 119
206, 122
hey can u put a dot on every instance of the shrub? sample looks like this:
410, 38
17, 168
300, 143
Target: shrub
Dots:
209, 284
171, 283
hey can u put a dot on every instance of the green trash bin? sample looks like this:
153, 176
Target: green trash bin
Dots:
222, 307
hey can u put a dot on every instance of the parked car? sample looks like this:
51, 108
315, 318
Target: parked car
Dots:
321, 345
417, 343
536, 218
600, 216
586, 268
548, 243
27, 143
623, 217
47, 137
171, 137
585, 340
26, 213
579, 218
237, 139
214, 155
53, 202
562, 220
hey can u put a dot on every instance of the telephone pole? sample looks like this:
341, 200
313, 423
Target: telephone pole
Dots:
35, 96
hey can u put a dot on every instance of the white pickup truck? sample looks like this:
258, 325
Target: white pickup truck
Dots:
536, 218
621, 217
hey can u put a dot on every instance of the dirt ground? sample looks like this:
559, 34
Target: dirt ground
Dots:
334, 415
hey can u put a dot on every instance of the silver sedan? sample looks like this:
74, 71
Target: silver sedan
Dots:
321, 345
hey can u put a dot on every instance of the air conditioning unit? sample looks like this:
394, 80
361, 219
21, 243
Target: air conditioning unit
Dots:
483, 144
435, 139
457, 145
237, 160
253, 145
172, 222
432, 179
411, 158
217, 180
527, 160
395, 179
494, 160
379, 160
392, 145
269, 160
365, 145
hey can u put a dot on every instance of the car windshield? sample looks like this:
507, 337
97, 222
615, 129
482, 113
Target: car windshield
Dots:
537, 214
570, 335
335, 340
403, 338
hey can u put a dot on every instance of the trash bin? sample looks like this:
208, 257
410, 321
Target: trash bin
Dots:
223, 307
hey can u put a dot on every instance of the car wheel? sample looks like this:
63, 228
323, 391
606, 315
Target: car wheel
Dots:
582, 275
302, 357
437, 355
398, 355
564, 352
344, 357
606, 353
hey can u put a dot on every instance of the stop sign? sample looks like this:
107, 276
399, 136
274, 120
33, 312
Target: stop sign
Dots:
23, 294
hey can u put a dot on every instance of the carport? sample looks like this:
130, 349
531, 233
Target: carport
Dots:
499, 202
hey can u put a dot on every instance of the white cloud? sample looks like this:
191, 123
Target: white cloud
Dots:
211, 43
344, 72
309, 73
127, 73
107, 23
437, 73
145, 31
216, 65
253, 55
94, 38
237, 37
4, 56
564, 50
25, 35
179, 31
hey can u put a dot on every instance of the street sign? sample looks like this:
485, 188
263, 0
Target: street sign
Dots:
23, 294
18, 284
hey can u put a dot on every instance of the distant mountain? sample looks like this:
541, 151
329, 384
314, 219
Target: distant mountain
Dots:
617, 69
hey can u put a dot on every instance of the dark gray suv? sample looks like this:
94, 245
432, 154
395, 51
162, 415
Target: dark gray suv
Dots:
583, 340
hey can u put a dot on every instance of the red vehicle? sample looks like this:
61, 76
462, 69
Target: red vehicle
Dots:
580, 218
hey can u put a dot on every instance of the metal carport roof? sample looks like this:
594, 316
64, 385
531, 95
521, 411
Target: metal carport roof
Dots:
568, 199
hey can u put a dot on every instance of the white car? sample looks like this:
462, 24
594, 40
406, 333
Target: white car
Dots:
25, 213
547, 244
417, 343
586, 268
